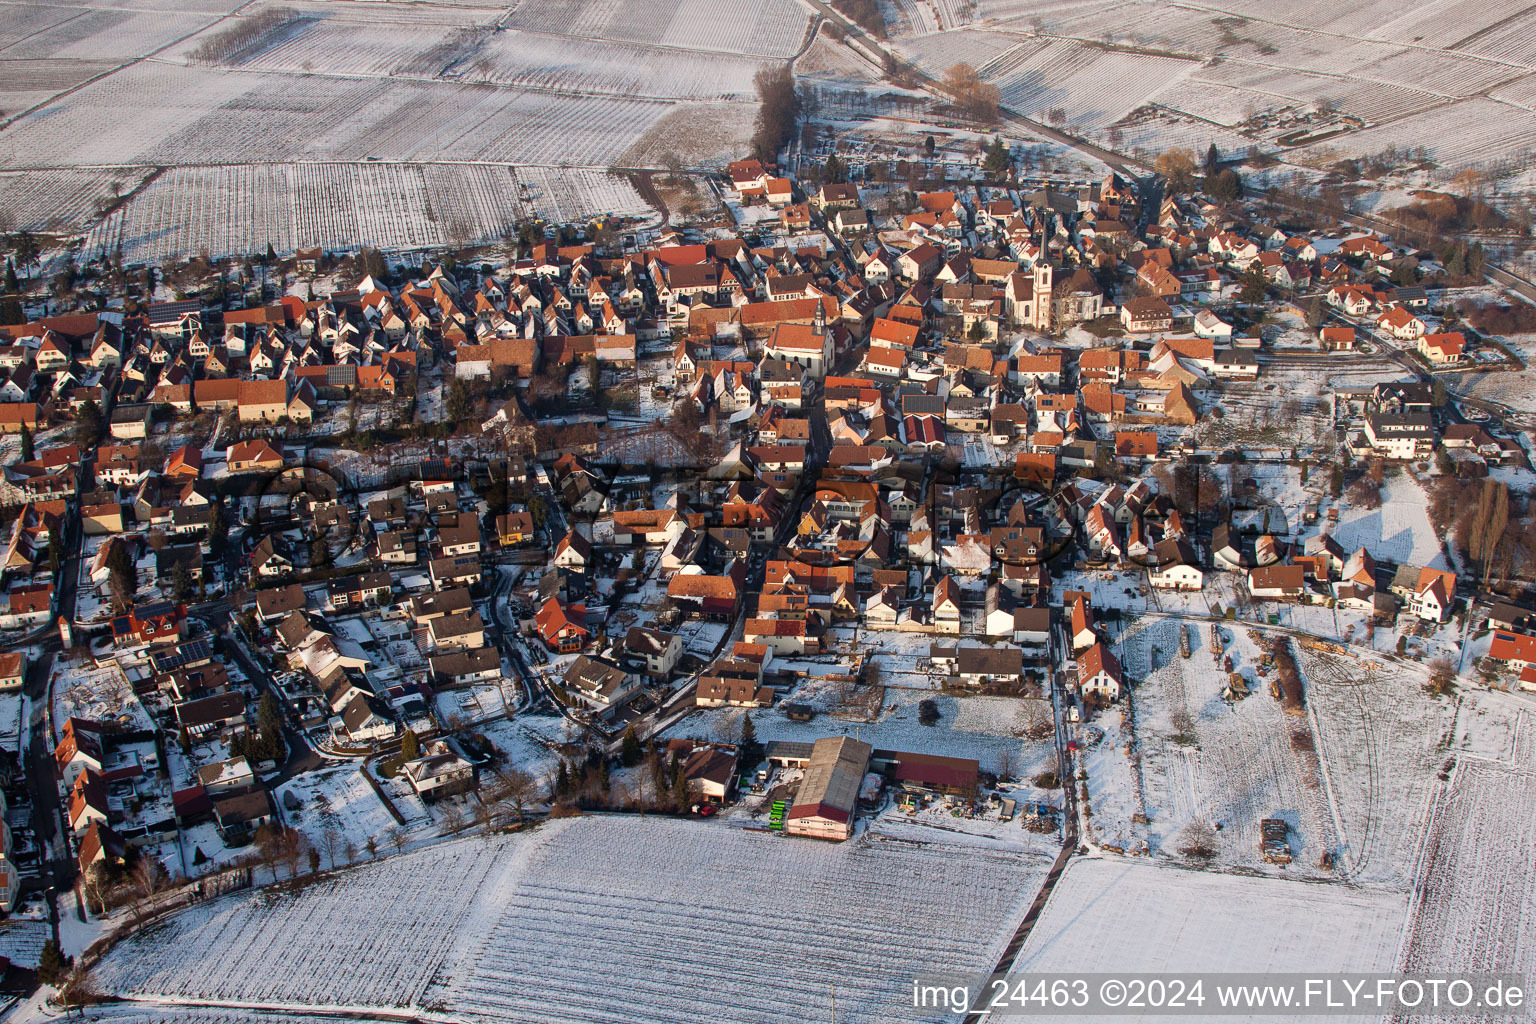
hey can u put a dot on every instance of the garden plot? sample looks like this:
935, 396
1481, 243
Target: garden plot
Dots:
336, 799
1477, 902
1144, 917
1201, 760
568, 195
1472, 133
511, 927
82, 690
178, 115
530, 742
241, 209
993, 730
1279, 412
937, 52
346, 47
129, 1014
1382, 740
21, 940
1398, 531
27, 83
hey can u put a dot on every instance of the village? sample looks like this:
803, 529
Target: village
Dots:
967, 510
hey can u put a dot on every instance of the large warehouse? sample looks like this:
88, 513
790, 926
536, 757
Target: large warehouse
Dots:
829, 791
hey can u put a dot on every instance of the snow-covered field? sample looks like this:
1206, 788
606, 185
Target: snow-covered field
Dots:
1450, 76
1398, 531
600, 919
1477, 909
1144, 917
241, 209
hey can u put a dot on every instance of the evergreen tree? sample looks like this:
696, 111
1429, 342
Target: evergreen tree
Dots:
562, 779
410, 746
999, 158
218, 528
630, 750
749, 749
1212, 161
11, 284
680, 786
51, 964
835, 171
928, 147
181, 582
27, 445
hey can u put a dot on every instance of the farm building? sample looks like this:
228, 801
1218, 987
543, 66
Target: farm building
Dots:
824, 804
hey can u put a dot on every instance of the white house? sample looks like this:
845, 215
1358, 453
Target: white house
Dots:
1098, 673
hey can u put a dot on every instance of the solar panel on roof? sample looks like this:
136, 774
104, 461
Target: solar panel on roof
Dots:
181, 655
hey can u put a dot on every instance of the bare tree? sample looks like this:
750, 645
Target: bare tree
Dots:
330, 843
484, 813
269, 843
293, 849
398, 837
1197, 841
519, 786
96, 884
147, 880
1007, 764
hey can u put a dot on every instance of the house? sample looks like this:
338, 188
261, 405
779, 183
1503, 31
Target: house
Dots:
23, 607
240, 815
1337, 339
709, 773
364, 721
459, 631
87, 802
561, 626
600, 684
1277, 582
262, 401
1401, 435
1145, 315
514, 528
946, 606
1081, 629
1174, 566
228, 776
13, 670
79, 748
465, 667
278, 603
1099, 674
209, 716
1443, 349
704, 595
657, 649
1401, 324
253, 457
979, 666
162, 622
439, 772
